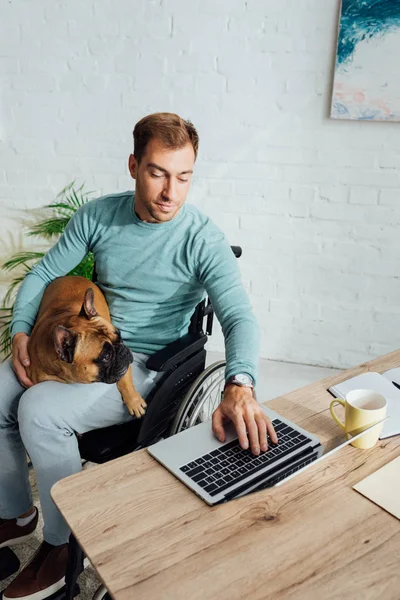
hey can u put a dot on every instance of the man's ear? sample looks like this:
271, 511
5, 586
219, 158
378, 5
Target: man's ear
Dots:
88, 310
133, 166
65, 343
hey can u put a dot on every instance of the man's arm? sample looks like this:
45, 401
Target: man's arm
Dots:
71, 248
220, 275
68, 252
218, 271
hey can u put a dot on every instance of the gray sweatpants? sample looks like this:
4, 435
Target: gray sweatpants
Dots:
43, 420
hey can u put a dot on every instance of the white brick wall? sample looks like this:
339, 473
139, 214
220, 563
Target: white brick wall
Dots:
312, 201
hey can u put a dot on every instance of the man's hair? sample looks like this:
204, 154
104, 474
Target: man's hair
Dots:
172, 131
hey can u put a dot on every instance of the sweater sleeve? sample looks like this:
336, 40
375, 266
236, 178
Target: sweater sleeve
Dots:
218, 271
70, 249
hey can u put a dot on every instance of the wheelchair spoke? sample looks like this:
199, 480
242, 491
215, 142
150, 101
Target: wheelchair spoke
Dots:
202, 398
210, 400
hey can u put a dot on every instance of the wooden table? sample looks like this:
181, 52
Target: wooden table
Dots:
313, 538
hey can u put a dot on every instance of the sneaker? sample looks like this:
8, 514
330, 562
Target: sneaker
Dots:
42, 576
12, 534
9, 563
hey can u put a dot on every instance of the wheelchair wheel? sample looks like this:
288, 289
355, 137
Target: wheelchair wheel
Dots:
202, 398
101, 594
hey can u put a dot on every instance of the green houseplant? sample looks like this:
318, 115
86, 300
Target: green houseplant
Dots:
49, 228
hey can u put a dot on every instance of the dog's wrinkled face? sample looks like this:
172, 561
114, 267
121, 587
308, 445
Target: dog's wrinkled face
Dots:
90, 347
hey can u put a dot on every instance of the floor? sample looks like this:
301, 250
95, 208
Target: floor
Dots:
275, 379
278, 378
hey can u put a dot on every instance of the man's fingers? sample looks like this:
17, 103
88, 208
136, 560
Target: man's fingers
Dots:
262, 433
24, 356
20, 358
240, 427
217, 425
253, 433
257, 427
271, 432
251, 424
20, 371
22, 376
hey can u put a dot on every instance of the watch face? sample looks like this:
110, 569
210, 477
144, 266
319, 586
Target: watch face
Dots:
244, 379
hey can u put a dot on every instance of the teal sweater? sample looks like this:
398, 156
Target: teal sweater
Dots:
152, 275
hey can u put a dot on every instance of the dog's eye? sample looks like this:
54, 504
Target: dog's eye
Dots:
107, 353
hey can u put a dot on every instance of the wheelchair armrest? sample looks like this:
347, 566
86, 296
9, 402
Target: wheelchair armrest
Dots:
176, 352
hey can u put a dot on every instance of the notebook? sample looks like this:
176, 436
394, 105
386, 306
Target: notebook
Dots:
387, 384
383, 487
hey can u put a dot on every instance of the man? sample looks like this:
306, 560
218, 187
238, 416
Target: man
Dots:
155, 257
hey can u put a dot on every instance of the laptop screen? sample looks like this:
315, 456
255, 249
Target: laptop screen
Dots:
326, 449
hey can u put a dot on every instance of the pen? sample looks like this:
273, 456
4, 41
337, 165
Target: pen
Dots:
396, 384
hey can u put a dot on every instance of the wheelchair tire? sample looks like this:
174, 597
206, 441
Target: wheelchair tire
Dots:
101, 594
202, 398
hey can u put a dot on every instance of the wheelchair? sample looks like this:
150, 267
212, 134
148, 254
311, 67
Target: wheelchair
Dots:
187, 394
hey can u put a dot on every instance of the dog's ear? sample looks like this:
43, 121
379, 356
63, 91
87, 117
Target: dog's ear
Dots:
88, 310
65, 343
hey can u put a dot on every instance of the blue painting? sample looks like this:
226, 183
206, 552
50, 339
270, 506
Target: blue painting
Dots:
367, 82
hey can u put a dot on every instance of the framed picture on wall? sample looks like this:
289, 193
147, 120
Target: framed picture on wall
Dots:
367, 82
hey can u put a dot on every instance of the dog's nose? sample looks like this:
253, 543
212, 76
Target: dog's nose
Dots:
124, 353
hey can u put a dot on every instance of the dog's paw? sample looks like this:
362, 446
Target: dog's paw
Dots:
136, 406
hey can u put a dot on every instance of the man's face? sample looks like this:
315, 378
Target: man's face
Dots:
162, 181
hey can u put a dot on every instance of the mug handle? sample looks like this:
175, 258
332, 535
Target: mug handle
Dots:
334, 415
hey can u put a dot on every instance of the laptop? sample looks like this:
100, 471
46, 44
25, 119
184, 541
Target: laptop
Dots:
221, 471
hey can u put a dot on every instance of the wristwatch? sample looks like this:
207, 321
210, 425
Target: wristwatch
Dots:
242, 380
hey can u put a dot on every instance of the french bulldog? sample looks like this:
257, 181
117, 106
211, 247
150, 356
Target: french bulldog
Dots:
73, 341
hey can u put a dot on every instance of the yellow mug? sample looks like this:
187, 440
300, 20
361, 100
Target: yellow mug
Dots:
362, 409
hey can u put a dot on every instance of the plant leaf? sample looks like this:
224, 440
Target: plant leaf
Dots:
14, 284
67, 202
66, 189
20, 258
62, 205
5, 341
50, 227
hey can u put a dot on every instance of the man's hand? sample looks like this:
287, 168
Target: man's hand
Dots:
20, 358
240, 407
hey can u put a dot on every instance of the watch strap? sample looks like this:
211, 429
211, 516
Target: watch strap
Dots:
233, 380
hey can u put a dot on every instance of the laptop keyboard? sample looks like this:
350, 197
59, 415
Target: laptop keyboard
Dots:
220, 469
